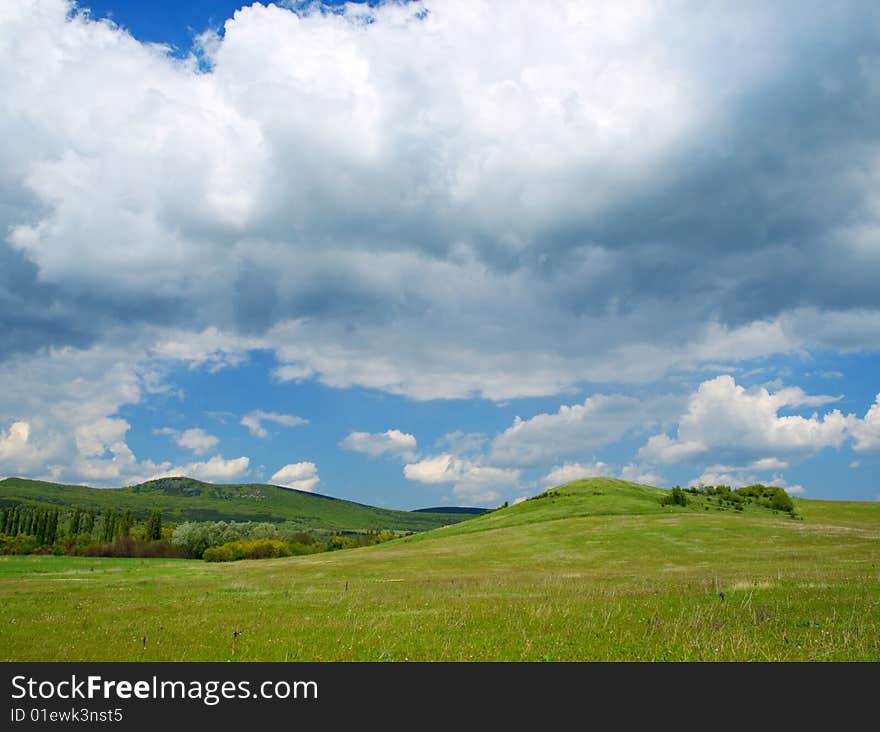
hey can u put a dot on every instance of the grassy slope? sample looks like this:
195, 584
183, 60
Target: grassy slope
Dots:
618, 580
595, 497
182, 499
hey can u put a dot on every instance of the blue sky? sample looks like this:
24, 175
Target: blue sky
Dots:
425, 253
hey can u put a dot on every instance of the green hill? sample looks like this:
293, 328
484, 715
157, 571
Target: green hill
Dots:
185, 499
594, 570
598, 497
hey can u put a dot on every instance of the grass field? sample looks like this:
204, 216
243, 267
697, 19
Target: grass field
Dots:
598, 572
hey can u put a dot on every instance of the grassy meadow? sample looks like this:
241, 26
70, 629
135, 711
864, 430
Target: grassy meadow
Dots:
596, 571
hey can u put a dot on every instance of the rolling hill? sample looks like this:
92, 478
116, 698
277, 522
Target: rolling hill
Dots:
594, 570
597, 497
185, 499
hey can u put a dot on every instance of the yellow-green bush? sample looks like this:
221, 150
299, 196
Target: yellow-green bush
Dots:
247, 549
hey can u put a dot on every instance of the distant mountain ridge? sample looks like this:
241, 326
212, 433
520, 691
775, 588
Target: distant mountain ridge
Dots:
452, 509
186, 499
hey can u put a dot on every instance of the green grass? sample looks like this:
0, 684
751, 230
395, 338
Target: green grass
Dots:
582, 576
185, 499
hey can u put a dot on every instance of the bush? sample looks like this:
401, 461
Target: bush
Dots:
200, 536
21, 544
253, 549
780, 501
127, 546
218, 554
676, 497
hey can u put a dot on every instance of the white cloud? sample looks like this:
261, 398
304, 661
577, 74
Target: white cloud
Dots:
298, 476
215, 468
867, 430
769, 463
737, 477
254, 421
472, 481
662, 448
293, 372
855, 464
460, 442
15, 440
197, 440
637, 474
95, 438
210, 348
17, 453
436, 233
73, 435
393, 442
222, 141
575, 471
483, 483
599, 421
725, 418
444, 468
469, 196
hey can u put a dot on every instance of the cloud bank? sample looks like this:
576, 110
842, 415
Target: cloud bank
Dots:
588, 194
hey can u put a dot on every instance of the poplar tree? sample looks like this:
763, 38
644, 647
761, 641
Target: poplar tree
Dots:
126, 523
40, 531
4, 520
73, 528
52, 528
89, 524
109, 525
154, 526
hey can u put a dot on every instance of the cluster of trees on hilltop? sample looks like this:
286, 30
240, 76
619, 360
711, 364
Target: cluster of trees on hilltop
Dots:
28, 529
767, 496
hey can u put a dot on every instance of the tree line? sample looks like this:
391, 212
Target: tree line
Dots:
42, 525
26, 529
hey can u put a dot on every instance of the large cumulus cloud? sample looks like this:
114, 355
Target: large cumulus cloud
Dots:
653, 167
442, 199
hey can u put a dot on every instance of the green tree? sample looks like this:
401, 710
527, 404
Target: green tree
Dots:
40, 530
154, 526
780, 501
125, 523
88, 525
109, 525
75, 520
51, 528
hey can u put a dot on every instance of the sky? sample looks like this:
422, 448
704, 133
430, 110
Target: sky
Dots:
441, 253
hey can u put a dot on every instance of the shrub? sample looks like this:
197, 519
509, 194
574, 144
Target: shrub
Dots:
253, 549
200, 536
128, 546
676, 497
780, 501
218, 554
